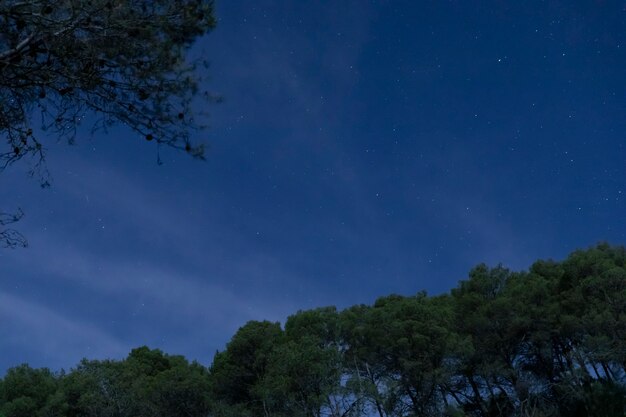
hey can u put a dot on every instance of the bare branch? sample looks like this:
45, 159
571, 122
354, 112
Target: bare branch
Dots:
10, 238
122, 61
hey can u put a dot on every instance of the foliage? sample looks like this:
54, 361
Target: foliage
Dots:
146, 384
24, 392
120, 61
237, 372
546, 342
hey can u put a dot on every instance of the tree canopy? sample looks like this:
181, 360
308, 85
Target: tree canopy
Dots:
114, 61
544, 342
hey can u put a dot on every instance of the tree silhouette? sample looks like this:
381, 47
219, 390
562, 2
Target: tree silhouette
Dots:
122, 61
11, 238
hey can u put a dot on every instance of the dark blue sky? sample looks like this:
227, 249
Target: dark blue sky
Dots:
363, 148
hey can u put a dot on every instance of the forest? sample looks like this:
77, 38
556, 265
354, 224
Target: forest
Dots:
549, 341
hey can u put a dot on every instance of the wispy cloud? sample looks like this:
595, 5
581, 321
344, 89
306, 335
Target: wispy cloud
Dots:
34, 333
177, 294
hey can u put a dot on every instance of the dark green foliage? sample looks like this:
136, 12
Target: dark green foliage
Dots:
25, 392
549, 342
237, 372
146, 384
304, 376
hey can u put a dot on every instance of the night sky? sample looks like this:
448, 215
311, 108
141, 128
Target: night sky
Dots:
363, 148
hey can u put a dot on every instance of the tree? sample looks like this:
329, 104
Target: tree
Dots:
484, 314
546, 342
25, 391
122, 61
416, 338
148, 383
364, 334
237, 371
306, 374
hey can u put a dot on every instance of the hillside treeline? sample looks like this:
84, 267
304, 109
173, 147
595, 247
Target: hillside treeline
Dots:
550, 341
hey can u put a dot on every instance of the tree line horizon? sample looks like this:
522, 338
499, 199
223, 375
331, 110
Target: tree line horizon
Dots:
549, 341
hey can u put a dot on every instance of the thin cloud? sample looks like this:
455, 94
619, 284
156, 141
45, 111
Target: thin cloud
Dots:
44, 335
